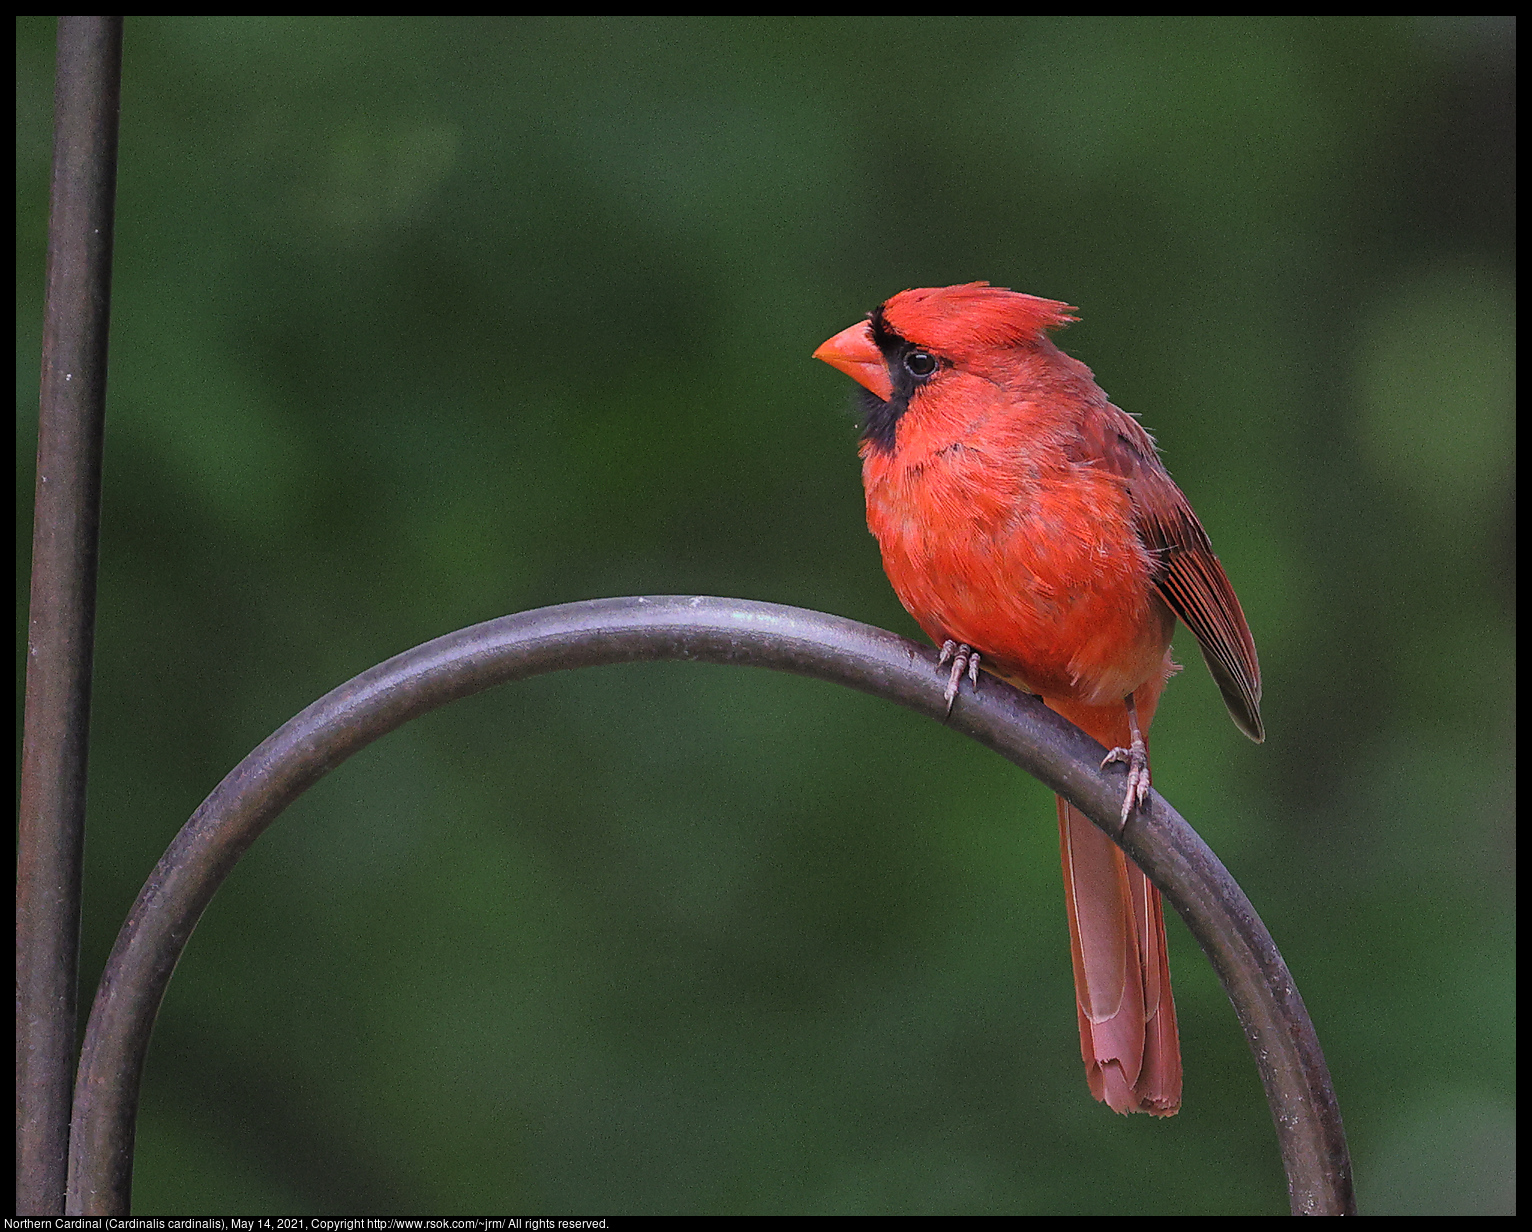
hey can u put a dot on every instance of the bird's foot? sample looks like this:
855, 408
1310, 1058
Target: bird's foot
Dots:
1137, 758
964, 659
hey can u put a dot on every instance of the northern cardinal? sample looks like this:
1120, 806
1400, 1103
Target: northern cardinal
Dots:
1028, 524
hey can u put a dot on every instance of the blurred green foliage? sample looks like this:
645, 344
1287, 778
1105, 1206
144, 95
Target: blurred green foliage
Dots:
422, 321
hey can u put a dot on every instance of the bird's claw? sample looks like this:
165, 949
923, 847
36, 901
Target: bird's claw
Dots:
1137, 758
964, 659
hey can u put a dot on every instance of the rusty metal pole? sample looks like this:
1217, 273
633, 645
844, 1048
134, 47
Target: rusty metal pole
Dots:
61, 628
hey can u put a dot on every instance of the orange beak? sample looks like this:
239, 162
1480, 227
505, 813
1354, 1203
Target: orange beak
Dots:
855, 353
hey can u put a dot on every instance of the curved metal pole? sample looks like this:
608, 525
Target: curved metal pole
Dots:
727, 631
62, 623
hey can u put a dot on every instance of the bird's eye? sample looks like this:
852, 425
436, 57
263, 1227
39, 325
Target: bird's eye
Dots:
920, 363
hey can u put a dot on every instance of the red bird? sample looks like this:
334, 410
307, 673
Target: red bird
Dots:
1028, 523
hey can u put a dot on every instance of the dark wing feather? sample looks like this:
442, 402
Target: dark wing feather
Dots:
1189, 578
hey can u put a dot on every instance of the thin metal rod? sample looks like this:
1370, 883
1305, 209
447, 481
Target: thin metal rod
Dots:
727, 631
61, 628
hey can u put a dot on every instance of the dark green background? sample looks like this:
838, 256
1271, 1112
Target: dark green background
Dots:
420, 322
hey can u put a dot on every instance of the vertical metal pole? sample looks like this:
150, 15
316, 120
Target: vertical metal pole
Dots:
61, 630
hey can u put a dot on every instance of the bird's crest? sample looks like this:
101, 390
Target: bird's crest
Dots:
971, 315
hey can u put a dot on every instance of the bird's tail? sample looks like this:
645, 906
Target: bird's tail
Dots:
1117, 941
1122, 973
